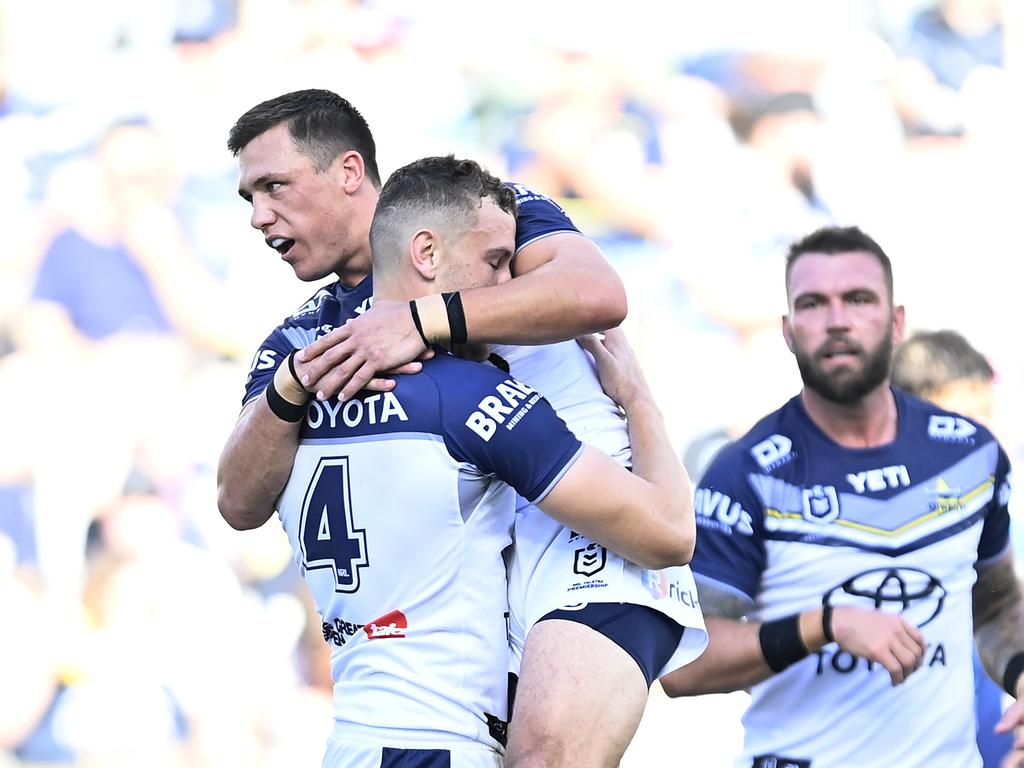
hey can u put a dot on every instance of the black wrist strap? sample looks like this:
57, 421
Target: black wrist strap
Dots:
1014, 667
456, 317
826, 623
781, 643
418, 323
284, 409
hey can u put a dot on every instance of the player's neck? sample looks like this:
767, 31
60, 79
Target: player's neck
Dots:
867, 423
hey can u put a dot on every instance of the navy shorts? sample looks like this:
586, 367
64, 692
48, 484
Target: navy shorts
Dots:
649, 636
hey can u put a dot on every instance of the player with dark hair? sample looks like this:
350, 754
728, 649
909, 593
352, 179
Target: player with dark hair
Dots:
626, 623
408, 576
850, 540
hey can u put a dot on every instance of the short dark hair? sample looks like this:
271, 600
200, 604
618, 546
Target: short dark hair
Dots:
836, 240
440, 190
931, 360
322, 124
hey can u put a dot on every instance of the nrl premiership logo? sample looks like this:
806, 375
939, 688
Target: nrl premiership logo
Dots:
590, 559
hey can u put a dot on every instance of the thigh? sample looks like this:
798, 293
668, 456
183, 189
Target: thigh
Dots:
579, 699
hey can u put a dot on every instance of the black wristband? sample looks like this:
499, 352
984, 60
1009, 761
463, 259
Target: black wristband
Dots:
456, 317
826, 623
284, 409
780, 642
1013, 669
417, 323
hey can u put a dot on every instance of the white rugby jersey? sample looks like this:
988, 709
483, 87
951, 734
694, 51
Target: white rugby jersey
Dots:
551, 566
791, 520
397, 509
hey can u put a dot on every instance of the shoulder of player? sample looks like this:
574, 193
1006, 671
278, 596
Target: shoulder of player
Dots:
765, 448
940, 425
452, 374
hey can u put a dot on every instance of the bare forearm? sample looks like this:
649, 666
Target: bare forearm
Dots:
732, 662
255, 465
734, 659
655, 458
558, 300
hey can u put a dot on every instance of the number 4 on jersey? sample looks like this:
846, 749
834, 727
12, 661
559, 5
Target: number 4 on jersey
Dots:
329, 537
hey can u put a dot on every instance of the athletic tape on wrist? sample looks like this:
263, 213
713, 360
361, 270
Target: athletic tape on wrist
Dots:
433, 316
286, 396
456, 317
780, 642
1014, 667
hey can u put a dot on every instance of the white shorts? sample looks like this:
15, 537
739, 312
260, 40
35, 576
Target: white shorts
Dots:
552, 567
345, 750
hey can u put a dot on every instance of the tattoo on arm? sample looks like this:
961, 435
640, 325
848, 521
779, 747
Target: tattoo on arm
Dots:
998, 616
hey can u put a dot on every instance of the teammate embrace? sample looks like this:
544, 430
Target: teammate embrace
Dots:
398, 498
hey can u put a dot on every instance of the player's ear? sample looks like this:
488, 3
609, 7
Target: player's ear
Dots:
787, 332
351, 169
423, 252
899, 324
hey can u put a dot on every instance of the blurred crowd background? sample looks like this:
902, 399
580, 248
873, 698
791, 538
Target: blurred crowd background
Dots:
692, 140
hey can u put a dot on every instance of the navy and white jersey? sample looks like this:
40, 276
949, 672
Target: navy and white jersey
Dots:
398, 508
335, 303
789, 520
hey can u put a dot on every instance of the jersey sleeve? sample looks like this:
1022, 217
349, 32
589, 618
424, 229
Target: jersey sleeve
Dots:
507, 429
538, 217
995, 534
730, 535
271, 354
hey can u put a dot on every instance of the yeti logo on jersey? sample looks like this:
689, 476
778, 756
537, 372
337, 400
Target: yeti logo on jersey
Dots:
773, 452
880, 479
951, 429
821, 504
590, 559
508, 407
389, 625
313, 305
909, 591
328, 537
716, 510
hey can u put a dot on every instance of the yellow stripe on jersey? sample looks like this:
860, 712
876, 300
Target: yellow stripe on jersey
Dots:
939, 510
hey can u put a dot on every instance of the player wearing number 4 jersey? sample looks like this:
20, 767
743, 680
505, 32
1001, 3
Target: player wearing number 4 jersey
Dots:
308, 169
400, 504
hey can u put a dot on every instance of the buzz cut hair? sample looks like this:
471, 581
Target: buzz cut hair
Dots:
440, 192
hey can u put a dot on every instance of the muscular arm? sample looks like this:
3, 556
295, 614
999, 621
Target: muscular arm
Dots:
645, 515
564, 287
254, 465
998, 616
734, 659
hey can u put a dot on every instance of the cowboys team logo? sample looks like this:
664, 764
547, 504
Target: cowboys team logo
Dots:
821, 504
947, 498
590, 559
909, 591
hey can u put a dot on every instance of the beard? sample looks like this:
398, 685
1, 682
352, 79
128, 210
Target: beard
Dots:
844, 385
